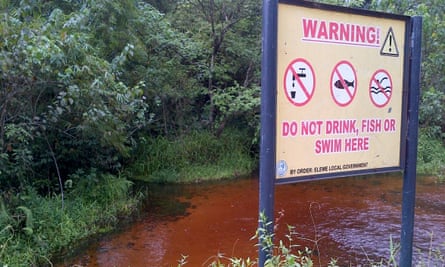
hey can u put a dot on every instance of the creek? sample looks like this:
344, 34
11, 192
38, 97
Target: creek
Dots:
350, 219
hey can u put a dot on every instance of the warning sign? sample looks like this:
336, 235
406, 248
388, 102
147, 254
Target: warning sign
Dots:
389, 47
340, 91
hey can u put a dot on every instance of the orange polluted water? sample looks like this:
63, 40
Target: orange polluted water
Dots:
350, 219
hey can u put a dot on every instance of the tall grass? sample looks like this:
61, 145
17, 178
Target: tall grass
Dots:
193, 157
431, 155
33, 229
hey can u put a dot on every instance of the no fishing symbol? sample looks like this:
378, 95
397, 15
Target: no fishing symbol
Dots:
380, 88
299, 82
343, 83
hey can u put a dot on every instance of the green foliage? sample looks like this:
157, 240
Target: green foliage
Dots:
192, 78
223, 261
431, 155
90, 87
227, 38
282, 254
33, 229
237, 102
432, 113
61, 103
80, 82
196, 156
433, 61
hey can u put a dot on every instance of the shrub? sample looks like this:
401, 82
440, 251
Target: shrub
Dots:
431, 155
196, 156
34, 228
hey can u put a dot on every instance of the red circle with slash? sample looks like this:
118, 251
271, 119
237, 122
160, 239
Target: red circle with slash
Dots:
343, 83
299, 82
380, 88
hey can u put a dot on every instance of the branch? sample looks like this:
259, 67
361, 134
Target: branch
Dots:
57, 170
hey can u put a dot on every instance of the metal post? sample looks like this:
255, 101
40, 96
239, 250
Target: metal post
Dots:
409, 177
268, 116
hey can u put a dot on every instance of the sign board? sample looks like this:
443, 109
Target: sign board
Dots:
341, 91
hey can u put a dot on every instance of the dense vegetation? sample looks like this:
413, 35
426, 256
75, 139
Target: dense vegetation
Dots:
93, 92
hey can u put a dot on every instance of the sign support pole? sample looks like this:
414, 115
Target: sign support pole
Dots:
268, 117
409, 176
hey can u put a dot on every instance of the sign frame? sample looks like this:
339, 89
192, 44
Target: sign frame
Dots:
404, 97
409, 131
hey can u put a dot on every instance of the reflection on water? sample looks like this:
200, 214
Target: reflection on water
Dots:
349, 219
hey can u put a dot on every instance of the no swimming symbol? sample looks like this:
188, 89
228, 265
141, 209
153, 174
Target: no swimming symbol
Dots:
380, 88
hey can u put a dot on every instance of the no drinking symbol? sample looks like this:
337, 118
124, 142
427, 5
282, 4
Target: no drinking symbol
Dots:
299, 82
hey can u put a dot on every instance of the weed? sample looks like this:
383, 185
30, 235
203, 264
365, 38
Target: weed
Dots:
431, 156
193, 157
289, 254
33, 229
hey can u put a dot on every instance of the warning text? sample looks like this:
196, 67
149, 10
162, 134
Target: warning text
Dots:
316, 30
336, 136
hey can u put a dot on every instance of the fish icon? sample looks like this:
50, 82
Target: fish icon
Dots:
339, 84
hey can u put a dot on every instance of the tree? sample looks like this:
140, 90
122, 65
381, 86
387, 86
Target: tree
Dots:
432, 106
227, 62
63, 107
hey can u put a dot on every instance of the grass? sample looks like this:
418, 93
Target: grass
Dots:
34, 229
431, 156
201, 156
193, 158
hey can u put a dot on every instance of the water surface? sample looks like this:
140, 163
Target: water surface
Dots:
350, 219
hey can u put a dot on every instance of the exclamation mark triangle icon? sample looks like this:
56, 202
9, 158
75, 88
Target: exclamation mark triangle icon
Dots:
389, 47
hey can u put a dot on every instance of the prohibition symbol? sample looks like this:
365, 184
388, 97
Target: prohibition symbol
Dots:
380, 88
299, 82
343, 83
